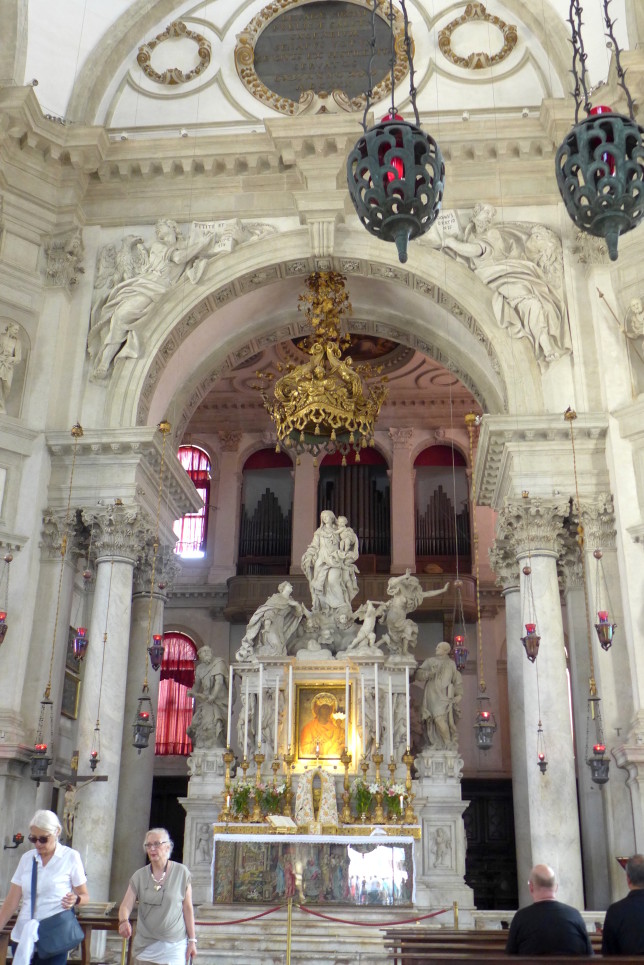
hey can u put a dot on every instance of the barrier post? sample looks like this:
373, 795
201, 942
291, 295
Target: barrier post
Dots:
455, 907
289, 923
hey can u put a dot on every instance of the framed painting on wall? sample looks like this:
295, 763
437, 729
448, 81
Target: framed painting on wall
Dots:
320, 721
71, 694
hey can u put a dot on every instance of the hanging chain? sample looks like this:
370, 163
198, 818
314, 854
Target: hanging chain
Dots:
579, 58
410, 62
372, 54
471, 420
77, 432
621, 73
165, 428
570, 415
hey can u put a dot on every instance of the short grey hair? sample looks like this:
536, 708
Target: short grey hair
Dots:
46, 821
161, 831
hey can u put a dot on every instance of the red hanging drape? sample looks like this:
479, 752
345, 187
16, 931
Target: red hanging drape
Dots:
175, 707
192, 528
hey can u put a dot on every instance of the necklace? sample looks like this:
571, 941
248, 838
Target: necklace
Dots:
159, 881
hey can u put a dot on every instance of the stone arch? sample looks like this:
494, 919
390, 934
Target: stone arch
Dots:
248, 300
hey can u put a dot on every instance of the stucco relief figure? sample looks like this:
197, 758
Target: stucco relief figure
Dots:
271, 626
441, 707
124, 315
210, 692
523, 265
633, 327
203, 848
330, 568
441, 848
406, 595
10, 355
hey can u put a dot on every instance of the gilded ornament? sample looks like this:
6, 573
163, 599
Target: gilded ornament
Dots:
477, 60
173, 76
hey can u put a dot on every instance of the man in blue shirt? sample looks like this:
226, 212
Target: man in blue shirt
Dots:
623, 932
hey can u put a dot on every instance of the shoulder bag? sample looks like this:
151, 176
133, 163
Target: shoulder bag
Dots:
58, 933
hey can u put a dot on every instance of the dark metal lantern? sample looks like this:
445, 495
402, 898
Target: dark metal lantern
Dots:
156, 651
396, 178
600, 173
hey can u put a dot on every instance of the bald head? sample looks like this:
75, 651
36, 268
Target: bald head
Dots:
542, 883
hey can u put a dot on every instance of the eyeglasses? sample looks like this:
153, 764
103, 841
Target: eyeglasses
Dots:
41, 839
153, 844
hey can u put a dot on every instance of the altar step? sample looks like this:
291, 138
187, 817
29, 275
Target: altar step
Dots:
263, 941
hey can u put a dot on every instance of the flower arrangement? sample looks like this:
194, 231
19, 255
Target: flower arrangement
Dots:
362, 793
394, 798
271, 797
241, 793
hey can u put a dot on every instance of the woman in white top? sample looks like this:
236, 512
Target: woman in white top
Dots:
61, 880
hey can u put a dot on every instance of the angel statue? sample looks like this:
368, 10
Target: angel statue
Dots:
406, 595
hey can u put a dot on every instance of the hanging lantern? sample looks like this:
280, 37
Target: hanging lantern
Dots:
395, 172
95, 753
43, 746
596, 758
156, 651
143, 722
484, 724
460, 652
531, 641
4, 578
39, 763
3, 625
80, 643
542, 761
604, 629
600, 164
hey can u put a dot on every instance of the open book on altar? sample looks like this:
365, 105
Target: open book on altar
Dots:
280, 821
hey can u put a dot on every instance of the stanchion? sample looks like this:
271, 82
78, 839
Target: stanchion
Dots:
455, 907
123, 951
289, 924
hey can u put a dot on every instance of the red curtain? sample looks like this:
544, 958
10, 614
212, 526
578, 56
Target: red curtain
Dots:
175, 707
192, 528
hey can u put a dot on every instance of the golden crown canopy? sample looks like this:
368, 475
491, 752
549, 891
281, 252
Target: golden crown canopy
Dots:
324, 404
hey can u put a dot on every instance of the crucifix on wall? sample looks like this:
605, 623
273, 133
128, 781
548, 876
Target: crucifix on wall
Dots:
73, 785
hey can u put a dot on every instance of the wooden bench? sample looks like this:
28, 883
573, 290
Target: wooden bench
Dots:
88, 923
416, 945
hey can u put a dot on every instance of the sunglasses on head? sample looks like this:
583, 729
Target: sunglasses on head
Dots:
40, 838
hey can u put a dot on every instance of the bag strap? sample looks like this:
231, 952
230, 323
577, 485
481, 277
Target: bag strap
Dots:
34, 886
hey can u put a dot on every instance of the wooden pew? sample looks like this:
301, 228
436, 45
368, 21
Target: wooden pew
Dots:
417, 945
89, 923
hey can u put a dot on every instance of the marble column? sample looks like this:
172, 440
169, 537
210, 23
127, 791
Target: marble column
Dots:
305, 505
504, 563
533, 527
403, 534
137, 767
119, 534
225, 533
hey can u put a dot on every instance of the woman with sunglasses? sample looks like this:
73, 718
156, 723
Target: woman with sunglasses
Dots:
165, 928
61, 882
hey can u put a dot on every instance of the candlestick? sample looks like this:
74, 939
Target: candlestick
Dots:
346, 795
259, 706
408, 707
290, 705
246, 720
377, 711
256, 816
230, 705
363, 718
391, 719
229, 757
277, 716
346, 707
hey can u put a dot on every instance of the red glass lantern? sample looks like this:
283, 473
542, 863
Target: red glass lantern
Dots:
80, 643
461, 653
605, 630
3, 625
156, 651
531, 641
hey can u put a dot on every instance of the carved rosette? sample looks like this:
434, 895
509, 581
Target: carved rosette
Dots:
532, 525
174, 75
245, 63
477, 60
119, 531
63, 260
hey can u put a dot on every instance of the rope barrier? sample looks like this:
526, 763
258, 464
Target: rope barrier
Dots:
241, 921
372, 924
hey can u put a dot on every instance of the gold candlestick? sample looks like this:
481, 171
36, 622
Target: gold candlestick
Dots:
391, 767
224, 814
289, 757
275, 766
346, 759
379, 814
410, 815
259, 758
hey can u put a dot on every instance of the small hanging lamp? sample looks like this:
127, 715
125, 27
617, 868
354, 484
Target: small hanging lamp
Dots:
156, 651
144, 722
460, 651
95, 753
4, 590
80, 642
600, 164
542, 760
531, 640
395, 172
604, 628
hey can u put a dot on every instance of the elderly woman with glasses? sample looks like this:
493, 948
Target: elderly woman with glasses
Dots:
165, 930
60, 884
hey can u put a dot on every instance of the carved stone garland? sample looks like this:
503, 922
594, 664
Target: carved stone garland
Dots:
174, 75
478, 59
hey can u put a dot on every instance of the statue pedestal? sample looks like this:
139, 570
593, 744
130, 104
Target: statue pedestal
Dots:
440, 855
202, 806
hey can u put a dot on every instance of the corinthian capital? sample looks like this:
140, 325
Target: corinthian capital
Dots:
167, 568
59, 534
401, 438
503, 560
598, 517
118, 530
532, 524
